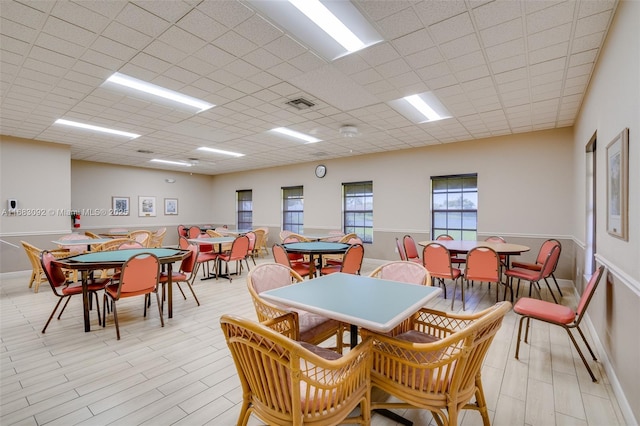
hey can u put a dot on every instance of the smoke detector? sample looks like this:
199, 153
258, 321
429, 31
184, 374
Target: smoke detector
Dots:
348, 131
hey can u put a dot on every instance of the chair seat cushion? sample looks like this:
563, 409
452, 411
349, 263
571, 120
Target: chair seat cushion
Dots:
175, 276
544, 310
415, 336
76, 288
523, 274
205, 257
312, 325
321, 352
525, 265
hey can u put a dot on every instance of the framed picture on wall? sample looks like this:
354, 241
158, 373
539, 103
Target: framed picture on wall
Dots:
146, 206
119, 206
618, 185
170, 206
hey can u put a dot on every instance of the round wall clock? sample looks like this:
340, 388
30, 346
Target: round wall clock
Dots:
321, 170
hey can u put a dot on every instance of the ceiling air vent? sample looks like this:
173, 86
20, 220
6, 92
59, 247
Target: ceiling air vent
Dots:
301, 103
145, 151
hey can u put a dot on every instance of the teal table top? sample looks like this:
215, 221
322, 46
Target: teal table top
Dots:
316, 247
376, 304
84, 241
122, 255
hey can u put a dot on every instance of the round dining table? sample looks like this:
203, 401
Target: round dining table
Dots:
464, 246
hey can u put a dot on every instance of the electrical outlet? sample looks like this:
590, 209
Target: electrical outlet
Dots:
395, 249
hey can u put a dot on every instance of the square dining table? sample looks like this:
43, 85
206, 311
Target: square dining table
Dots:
372, 303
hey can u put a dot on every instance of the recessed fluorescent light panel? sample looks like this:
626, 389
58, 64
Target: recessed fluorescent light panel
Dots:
173, 163
330, 28
96, 128
220, 151
152, 89
421, 108
295, 135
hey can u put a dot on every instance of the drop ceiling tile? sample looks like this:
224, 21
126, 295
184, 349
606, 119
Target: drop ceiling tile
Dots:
592, 24
76, 14
432, 12
150, 63
502, 33
425, 58
215, 56
228, 13
413, 42
472, 74
50, 57
308, 61
17, 30
113, 48
452, 28
169, 11
61, 46
583, 57
258, 30
399, 24
14, 45
23, 14
461, 46
142, 20
285, 47
379, 54
126, 35
592, 41
548, 53
496, 12
506, 50
549, 37
508, 64
550, 17
587, 8
471, 60
201, 25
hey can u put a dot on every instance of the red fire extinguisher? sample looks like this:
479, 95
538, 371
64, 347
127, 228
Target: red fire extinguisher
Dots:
76, 220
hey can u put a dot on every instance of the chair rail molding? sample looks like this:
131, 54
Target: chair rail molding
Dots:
622, 276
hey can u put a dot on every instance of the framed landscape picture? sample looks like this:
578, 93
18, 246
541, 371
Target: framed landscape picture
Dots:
170, 206
120, 206
618, 185
146, 206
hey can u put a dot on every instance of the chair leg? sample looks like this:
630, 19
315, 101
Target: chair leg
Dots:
95, 293
54, 312
557, 286
549, 287
519, 336
115, 319
180, 288
159, 307
584, 360
193, 293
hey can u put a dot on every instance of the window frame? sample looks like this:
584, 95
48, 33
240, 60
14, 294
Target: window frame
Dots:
363, 231
457, 232
289, 225
242, 224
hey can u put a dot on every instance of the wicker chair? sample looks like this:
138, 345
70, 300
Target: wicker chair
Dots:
37, 273
285, 382
436, 364
158, 237
262, 241
141, 236
314, 329
403, 271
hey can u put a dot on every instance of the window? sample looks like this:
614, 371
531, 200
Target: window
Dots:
292, 209
454, 206
358, 209
245, 209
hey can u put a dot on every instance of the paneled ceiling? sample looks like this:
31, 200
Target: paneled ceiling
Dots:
499, 67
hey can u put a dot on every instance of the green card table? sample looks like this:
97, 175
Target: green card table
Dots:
89, 262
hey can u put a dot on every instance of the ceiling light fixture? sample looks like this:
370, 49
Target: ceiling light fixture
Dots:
296, 135
152, 89
349, 131
220, 151
331, 25
96, 128
421, 108
331, 28
174, 163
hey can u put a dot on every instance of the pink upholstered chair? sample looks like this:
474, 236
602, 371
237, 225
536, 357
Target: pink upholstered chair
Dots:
483, 265
187, 273
281, 256
403, 271
560, 315
534, 276
437, 260
410, 249
545, 248
139, 277
351, 262
238, 253
400, 249
64, 290
455, 260
252, 245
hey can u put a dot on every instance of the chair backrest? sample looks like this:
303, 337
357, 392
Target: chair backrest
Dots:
588, 293
194, 231
91, 234
445, 237
183, 243
550, 262
495, 239
354, 240
112, 244
545, 248
345, 238
437, 259
141, 236
158, 237
280, 255
403, 271
182, 231
267, 276
483, 264
140, 274
190, 262
130, 245
33, 254
213, 234
410, 248
261, 237
239, 248
74, 249
55, 275
352, 260
284, 234
400, 249
289, 384
252, 240
293, 238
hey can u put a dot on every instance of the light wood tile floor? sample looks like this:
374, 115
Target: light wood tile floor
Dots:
183, 374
